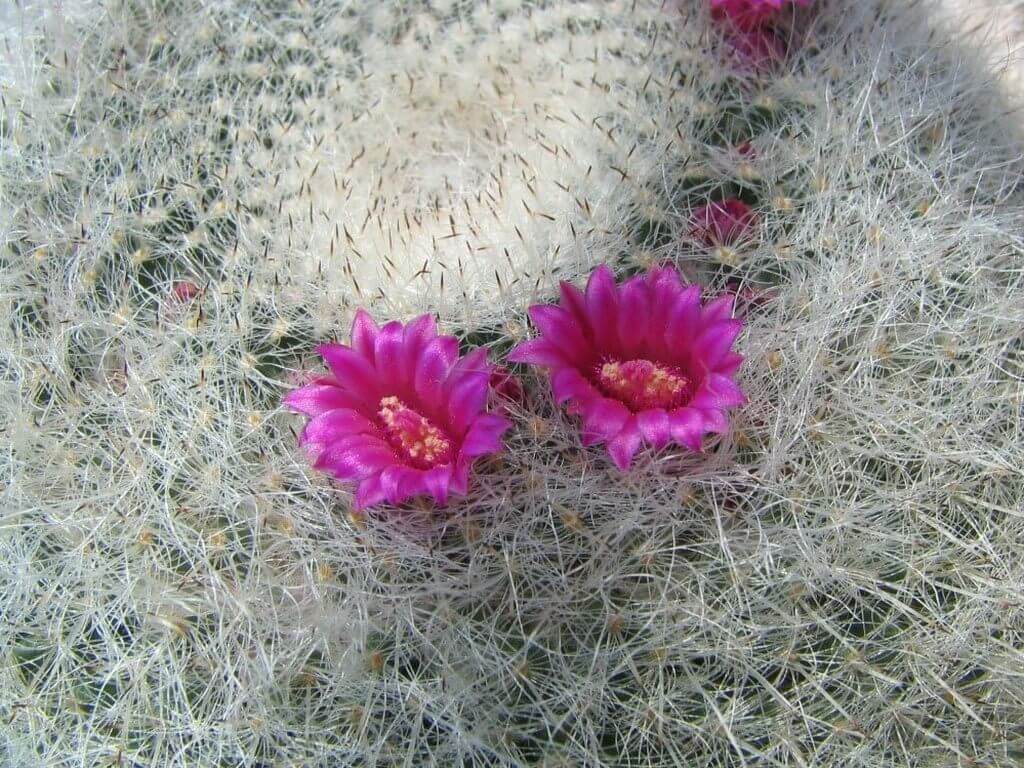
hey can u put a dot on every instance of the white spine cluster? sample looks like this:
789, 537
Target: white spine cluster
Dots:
193, 194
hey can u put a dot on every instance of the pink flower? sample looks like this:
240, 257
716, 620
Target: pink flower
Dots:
723, 223
639, 362
747, 14
402, 414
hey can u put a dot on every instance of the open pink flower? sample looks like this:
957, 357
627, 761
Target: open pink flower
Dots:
402, 414
639, 362
723, 223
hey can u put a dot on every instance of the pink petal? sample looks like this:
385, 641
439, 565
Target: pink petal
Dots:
315, 399
352, 371
364, 332
437, 482
634, 309
415, 337
603, 308
574, 301
484, 435
664, 286
682, 322
719, 309
714, 343
460, 476
570, 384
603, 418
655, 426
538, 352
355, 457
467, 389
715, 421
389, 351
687, 427
370, 492
399, 483
559, 328
335, 424
718, 391
432, 369
730, 364
623, 447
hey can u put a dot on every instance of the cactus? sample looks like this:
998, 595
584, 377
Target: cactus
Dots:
835, 581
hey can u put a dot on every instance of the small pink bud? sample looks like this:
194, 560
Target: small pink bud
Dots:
723, 223
185, 290
748, 298
507, 386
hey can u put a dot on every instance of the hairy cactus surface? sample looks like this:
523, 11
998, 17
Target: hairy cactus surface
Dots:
193, 195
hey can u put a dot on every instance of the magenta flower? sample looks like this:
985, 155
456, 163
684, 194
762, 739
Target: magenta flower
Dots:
639, 362
402, 414
747, 14
723, 223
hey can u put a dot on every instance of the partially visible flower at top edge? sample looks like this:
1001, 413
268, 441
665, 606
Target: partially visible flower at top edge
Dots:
640, 362
755, 49
402, 414
722, 223
748, 14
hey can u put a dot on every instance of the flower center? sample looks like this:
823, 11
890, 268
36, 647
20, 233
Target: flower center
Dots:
641, 384
413, 435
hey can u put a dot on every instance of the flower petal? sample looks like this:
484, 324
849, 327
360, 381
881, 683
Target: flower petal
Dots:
460, 476
432, 368
575, 303
484, 435
730, 364
570, 384
467, 388
399, 483
538, 352
389, 351
682, 323
370, 492
315, 399
415, 338
603, 308
719, 309
623, 447
333, 425
716, 392
688, 427
655, 427
714, 343
437, 482
634, 306
559, 328
353, 372
364, 332
355, 457
603, 418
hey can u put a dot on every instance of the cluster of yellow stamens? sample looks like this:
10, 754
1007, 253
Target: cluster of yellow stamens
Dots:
422, 443
642, 384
